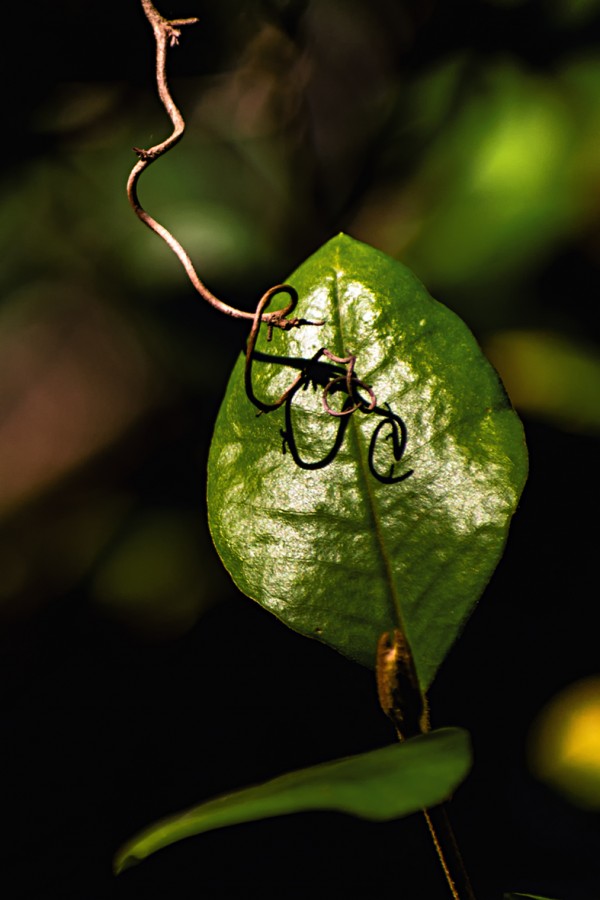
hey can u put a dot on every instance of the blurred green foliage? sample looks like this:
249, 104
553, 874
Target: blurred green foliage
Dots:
154, 578
474, 160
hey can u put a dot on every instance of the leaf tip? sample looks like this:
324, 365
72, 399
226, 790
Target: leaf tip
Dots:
125, 860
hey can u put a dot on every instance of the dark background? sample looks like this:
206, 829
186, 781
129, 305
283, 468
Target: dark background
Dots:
461, 138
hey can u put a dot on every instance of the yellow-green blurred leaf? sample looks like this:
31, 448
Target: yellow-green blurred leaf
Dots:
549, 376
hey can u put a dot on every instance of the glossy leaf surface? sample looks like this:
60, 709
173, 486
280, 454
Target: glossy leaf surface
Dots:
312, 514
381, 784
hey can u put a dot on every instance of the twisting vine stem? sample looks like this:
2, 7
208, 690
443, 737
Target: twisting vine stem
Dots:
167, 33
402, 700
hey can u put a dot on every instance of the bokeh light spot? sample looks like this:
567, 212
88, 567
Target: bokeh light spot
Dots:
564, 744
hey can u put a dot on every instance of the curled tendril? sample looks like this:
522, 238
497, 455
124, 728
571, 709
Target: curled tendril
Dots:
277, 319
348, 381
396, 438
351, 383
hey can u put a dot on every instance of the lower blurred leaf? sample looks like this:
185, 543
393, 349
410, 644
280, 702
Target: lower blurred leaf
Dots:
530, 896
382, 784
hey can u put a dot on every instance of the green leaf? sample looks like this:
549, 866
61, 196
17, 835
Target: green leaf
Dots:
531, 896
381, 784
317, 534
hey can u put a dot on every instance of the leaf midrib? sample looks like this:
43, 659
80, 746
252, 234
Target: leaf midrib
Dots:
354, 435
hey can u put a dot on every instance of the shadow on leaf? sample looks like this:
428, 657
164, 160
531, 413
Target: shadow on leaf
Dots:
389, 438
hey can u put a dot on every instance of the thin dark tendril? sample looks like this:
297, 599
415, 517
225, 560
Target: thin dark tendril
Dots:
351, 383
167, 33
277, 319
